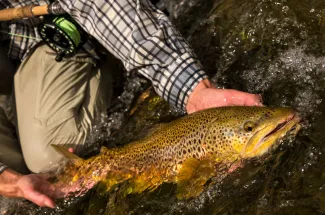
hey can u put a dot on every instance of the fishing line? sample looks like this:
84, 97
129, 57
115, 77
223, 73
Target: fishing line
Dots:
69, 28
20, 35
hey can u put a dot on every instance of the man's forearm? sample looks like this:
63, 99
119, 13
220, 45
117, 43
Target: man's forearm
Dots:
144, 39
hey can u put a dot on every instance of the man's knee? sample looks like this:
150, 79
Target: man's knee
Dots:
42, 159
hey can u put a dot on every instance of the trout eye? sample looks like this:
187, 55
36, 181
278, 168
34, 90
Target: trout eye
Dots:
249, 126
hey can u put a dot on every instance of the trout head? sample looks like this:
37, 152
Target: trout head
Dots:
246, 132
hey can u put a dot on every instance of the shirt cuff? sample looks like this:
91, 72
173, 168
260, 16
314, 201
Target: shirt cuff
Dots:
2, 168
179, 80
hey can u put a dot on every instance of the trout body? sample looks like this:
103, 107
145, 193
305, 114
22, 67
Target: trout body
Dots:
187, 150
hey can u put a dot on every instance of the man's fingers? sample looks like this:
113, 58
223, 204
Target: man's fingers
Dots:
254, 100
49, 203
235, 97
40, 199
212, 97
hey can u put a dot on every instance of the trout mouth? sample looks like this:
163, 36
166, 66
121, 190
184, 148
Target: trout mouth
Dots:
264, 142
278, 128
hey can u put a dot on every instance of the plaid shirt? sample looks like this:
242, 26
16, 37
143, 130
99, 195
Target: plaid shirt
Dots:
134, 31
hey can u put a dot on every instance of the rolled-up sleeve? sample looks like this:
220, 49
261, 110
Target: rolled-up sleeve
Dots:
143, 38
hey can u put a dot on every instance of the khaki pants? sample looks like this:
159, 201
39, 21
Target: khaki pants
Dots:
56, 103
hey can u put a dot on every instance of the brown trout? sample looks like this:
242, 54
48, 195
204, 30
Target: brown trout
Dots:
185, 151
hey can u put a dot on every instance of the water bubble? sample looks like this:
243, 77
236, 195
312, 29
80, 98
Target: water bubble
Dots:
322, 187
236, 182
285, 9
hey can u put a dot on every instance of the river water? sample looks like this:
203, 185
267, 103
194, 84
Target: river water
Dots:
271, 47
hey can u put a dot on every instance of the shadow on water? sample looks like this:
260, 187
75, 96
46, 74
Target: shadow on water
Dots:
272, 47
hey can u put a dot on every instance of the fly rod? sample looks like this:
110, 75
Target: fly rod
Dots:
30, 11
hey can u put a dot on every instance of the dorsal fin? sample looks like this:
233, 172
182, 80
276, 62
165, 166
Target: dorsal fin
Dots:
147, 132
63, 151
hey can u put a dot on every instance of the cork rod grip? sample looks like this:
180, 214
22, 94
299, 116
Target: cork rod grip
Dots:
23, 12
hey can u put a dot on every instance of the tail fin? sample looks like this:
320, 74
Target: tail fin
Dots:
63, 151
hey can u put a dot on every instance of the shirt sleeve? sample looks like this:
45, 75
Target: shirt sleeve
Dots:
2, 167
143, 38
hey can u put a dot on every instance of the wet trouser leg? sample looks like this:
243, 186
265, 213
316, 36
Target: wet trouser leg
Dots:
6, 73
10, 152
56, 103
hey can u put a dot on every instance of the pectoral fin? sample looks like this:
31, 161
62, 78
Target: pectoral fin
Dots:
192, 176
74, 158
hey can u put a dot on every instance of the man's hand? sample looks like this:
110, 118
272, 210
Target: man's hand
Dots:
33, 187
206, 96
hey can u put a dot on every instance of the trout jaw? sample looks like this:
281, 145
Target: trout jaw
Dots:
267, 137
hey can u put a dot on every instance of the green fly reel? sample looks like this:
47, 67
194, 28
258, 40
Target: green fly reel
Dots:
63, 35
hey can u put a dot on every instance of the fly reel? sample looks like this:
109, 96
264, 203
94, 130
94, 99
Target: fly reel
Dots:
63, 35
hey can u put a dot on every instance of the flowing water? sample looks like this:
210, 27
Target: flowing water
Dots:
271, 47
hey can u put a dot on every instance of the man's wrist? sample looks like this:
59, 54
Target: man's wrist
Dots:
8, 183
205, 83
